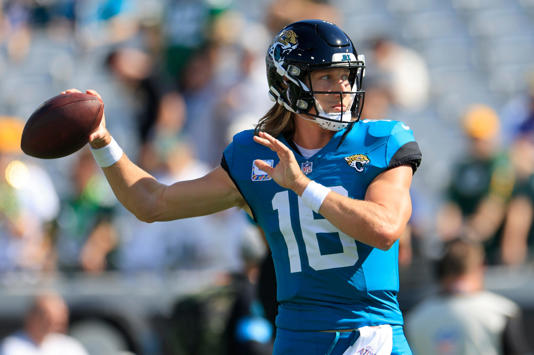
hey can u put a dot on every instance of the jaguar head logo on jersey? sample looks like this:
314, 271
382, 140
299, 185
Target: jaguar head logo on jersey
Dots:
260, 175
358, 161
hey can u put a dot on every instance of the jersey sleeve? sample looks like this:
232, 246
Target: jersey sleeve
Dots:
402, 149
228, 159
230, 162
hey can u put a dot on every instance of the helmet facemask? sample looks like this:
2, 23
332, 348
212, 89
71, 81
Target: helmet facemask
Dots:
352, 101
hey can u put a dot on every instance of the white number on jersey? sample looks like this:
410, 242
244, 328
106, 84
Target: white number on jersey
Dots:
310, 228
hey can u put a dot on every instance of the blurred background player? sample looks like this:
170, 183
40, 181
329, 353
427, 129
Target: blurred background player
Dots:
518, 233
86, 236
405, 72
464, 318
44, 332
28, 205
480, 186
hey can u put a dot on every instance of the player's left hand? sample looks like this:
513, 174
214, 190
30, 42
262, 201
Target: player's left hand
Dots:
287, 172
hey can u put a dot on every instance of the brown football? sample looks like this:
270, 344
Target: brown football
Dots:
61, 125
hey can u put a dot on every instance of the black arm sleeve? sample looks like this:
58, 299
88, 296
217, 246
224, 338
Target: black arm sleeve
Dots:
408, 154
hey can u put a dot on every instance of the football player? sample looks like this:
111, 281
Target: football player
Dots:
330, 191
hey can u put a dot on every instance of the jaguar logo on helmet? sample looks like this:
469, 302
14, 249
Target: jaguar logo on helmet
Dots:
358, 161
285, 43
288, 38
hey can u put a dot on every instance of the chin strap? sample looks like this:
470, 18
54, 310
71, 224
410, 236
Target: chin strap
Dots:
325, 123
332, 121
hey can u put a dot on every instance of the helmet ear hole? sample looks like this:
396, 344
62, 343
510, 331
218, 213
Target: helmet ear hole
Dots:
293, 70
301, 104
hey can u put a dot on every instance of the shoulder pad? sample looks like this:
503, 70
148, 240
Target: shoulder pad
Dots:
244, 137
380, 128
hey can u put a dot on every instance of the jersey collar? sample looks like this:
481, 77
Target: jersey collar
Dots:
331, 145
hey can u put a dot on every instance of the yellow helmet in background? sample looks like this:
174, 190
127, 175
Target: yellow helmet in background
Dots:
481, 122
10, 134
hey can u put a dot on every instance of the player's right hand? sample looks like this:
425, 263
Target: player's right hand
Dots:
287, 172
100, 137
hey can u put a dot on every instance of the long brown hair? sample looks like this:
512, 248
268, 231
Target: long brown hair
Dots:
278, 120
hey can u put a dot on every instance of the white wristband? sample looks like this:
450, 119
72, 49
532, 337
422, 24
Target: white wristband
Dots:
108, 155
314, 195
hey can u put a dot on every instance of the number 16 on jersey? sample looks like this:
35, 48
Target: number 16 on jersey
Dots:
311, 229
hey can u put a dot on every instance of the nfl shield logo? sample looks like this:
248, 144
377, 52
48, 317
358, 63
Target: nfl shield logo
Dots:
307, 167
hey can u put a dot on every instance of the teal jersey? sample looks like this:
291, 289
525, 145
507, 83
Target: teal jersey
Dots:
326, 279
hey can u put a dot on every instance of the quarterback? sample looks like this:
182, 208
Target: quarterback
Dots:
330, 191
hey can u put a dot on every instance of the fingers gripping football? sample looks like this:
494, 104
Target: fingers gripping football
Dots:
100, 131
100, 137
